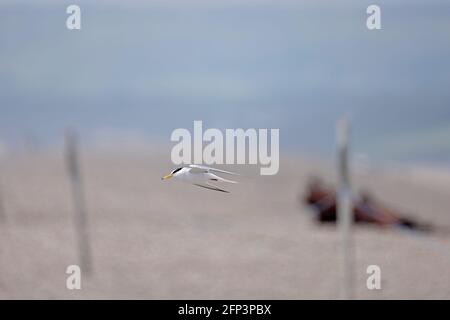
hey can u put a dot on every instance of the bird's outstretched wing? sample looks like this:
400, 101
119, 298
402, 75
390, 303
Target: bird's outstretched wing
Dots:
210, 187
195, 168
217, 178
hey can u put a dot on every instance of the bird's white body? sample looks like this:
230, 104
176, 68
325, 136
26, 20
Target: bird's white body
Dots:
200, 176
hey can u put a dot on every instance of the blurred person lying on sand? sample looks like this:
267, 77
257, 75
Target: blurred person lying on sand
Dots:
365, 208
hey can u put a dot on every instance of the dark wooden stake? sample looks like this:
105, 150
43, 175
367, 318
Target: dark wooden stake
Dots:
80, 213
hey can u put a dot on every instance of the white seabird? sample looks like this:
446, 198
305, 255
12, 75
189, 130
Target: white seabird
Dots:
200, 176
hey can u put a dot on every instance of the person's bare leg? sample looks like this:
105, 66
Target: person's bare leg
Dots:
373, 214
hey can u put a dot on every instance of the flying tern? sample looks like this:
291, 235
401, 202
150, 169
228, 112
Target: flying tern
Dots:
200, 176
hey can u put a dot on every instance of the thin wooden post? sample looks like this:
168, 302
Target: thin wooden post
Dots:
3, 218
80, 213
345, 211
2, 203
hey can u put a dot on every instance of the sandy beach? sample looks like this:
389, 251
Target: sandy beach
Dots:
162, 240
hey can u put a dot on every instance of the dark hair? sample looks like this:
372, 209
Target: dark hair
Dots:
176, 170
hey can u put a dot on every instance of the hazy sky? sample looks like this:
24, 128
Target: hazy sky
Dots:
144, 69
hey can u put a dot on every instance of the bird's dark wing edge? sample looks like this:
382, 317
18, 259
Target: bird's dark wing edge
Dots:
211, 187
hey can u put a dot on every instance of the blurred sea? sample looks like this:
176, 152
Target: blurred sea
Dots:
139, 70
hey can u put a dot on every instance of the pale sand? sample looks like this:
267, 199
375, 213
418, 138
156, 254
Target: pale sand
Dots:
164, 240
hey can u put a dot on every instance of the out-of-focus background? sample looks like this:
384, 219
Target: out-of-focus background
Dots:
137, 70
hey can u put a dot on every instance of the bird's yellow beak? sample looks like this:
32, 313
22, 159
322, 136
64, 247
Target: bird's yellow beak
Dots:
167, 177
